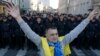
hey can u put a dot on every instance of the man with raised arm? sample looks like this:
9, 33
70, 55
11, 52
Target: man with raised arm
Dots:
51, 45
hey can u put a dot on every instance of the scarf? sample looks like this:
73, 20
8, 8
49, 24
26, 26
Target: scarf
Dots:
57, 48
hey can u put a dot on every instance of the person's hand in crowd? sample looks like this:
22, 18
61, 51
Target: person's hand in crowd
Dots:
13, 10
94, 13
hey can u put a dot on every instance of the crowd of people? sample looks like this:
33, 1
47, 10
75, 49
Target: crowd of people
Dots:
12, 35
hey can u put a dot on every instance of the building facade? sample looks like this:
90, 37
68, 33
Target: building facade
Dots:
75, 6
31, 5
63, 5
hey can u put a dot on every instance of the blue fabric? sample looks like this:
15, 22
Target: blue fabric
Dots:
57, 48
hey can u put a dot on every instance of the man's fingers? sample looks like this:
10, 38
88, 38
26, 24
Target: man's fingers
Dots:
12, 5
96, 9
8, 5
8, 9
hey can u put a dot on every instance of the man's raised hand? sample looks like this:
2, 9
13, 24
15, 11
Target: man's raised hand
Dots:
94, 13
13, 10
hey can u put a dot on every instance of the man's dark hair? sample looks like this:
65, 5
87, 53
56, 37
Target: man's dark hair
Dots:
50, 27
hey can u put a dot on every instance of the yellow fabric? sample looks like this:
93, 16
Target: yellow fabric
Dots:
52, 51
49, 51
66, 50
45, 47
